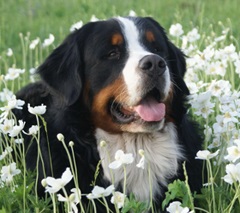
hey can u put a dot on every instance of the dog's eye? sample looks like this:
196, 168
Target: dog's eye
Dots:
157, 49
113, 54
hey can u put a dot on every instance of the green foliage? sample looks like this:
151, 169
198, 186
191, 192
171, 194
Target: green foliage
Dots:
177, 190
132, 205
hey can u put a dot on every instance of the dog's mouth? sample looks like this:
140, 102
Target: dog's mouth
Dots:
148, 109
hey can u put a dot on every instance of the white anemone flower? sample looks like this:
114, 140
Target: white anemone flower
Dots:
98, 192
48, 41
193, 35
120, 159
33, 130
37, 110
76, 26
118, 199
13, 73
12, 102
54, 185
17, 129
233, 152
8, 172
9, 52
7, 151
175, 207
4, 94
73, 199
206, 155
132, 13
176, 30
202, 103
34, 43
7, 126
233, 173
94, 18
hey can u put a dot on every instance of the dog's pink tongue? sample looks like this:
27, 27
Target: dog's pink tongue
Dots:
150, 110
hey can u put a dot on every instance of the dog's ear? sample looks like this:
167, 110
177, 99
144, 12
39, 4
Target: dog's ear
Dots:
63, 69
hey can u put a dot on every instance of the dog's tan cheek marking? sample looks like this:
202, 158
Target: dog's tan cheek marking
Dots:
100, 110
116, 39
150, 36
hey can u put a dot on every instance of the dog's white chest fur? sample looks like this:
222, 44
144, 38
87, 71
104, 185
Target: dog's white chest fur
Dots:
161, 153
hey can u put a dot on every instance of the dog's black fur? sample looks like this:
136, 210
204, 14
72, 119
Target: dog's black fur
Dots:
71, 77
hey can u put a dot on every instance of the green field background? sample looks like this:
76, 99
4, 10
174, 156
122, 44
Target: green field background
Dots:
41, 17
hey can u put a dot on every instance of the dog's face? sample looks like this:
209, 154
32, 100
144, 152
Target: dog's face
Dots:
124, 69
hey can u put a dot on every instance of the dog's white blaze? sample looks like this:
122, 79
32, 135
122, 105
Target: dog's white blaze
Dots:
161, 153
136, 50
131, 74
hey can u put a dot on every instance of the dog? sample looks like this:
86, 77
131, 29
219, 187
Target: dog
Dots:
119, 81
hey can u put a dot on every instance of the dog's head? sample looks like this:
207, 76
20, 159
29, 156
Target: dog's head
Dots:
125, 70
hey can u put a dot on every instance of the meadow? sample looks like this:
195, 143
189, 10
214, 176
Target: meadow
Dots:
206, 31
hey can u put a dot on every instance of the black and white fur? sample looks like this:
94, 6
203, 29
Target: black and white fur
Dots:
96, 67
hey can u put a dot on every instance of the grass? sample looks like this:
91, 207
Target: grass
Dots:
56, 17
44, 17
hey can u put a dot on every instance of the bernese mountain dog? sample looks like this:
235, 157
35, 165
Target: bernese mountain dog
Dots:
119, 81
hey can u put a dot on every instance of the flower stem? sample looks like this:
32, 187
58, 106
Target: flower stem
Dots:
125, 180
106, 204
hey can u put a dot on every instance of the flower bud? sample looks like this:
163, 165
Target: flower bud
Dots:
60, 137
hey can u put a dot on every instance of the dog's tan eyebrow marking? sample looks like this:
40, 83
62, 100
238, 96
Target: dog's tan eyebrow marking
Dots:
150, 36
117, 39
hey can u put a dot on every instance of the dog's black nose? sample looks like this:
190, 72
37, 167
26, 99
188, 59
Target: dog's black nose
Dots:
153, 64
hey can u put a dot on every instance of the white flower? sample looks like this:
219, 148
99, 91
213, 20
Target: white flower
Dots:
216, 68
175, 207
73, 199
9, 52
233, 173
33, 130
98, 192
220, 87
94, 18
229, 50
206, 155
12, 102
118, 199
120, 159
193, 35
176, 30
5, 94
48, 41
34, 43
37, 110
202, 103
7, 126
132, 13
13, 73
141, 163
7, 151
17, 129
32, 72
54, 185
77, 195
8, 172
76, 26
233, 152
